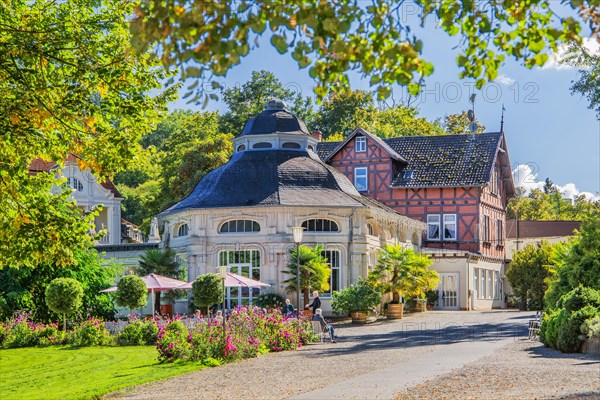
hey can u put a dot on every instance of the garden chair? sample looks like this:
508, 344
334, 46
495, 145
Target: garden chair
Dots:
319, 330
534, 325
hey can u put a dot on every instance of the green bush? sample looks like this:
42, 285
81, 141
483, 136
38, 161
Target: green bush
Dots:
563, 328
3, 334
138, 333
50, 335
132, 334
360, 296
591, 327
172, 343
269, 300
20, 335
91, 332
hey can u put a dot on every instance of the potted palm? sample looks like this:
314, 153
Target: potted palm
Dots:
402, 273
357, 299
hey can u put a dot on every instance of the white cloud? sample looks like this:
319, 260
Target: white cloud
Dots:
555, 62
504, 80
526, 179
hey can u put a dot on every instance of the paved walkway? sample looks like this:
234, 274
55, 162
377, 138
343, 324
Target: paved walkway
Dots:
373, 361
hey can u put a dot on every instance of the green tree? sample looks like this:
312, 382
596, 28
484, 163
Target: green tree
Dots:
459, 124
69, 83
64, 296
343, 112
529, 273
375, 40
403, 273
131, 292
207, 291
24, 288
162, 262
314, 271
578, 263
588, 65
244, 102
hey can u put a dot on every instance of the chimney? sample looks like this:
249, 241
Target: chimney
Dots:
317, 134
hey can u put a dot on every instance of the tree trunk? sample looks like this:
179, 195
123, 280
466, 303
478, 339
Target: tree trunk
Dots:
306, 298
395, 298
65, 322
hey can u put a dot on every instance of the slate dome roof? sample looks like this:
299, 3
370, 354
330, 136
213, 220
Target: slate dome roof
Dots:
271, 178
274, 119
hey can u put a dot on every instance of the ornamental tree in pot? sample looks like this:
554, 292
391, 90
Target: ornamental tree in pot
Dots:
357, 299
402, 273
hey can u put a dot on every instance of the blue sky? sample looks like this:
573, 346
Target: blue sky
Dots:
547, 129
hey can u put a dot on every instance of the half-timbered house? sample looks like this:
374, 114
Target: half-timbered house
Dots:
459, 185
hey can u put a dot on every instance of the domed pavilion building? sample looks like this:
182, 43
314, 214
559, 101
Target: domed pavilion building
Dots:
241, 213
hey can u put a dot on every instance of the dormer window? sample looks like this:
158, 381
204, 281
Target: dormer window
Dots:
241, 147
290, 145
182, 230
361, 144
75, 184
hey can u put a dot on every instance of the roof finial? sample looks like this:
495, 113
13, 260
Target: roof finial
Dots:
502, 119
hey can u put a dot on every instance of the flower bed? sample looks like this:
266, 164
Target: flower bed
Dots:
248, 333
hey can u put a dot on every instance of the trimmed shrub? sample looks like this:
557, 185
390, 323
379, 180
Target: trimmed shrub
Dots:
131, 292
207, 291
360, 296
64, 296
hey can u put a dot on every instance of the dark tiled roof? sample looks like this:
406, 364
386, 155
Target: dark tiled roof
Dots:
39, 165
440, 161
325, 148
272, 177
274, 121
540, 229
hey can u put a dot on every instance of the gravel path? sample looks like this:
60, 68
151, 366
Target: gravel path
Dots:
521, 370
360, 349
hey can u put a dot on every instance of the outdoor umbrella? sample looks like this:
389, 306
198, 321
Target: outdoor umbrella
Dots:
154, 283
233, 280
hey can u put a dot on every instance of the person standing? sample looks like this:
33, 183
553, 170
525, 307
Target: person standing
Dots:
316, 303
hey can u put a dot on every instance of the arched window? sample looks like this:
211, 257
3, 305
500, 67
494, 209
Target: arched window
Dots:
370, 230
182, 230
241, 147
311, 148
240, 226
320, 225
75, 184
290, 145
262, 145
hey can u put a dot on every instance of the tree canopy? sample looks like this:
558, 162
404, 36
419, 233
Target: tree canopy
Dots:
69, 83
374, 39
549, 205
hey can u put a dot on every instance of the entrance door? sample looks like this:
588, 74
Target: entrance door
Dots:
242, 296
448, 292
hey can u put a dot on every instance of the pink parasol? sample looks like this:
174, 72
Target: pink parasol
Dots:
154, 283
233, 280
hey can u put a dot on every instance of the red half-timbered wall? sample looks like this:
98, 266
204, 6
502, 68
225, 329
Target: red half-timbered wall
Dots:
469, 204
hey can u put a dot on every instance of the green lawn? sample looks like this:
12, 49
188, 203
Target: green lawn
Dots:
89, 372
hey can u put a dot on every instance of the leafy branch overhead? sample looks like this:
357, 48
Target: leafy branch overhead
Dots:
374, 39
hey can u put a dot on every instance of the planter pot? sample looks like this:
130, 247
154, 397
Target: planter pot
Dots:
395, 311
358, 317
421, 305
